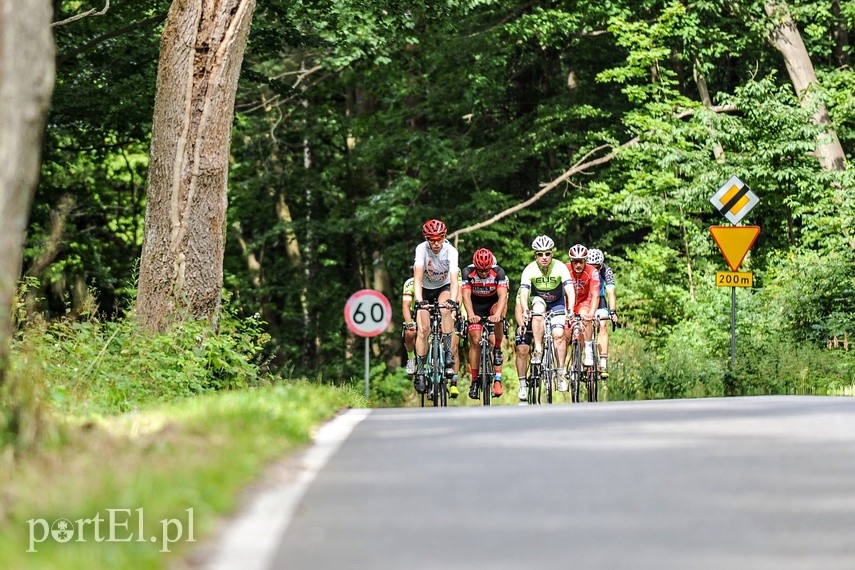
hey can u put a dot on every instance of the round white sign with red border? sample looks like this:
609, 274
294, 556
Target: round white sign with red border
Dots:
367, 313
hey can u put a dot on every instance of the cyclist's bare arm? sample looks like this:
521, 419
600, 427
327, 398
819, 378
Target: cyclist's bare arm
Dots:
501, 305
525, 291
418, 279
570, 293
406, 300
467, 303
455, 284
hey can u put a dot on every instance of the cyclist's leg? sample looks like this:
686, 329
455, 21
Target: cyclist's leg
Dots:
538, 310
498, 337
588, 332
474, 333
522, 348
422, 332
447, 330
409, 337
558, 338
603, 341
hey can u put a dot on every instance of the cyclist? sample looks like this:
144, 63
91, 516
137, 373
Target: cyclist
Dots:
586, 282
435, 278
546, 283
408, 327
607, 306
522, 346
485, 297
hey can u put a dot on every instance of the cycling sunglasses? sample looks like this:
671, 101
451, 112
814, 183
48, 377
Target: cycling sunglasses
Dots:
543, 254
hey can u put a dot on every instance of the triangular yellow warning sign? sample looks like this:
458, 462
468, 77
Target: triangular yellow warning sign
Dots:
734, 242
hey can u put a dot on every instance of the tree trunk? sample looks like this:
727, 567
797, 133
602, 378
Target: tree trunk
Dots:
181, 269
788, 41
703, 90
840, 35
26, 83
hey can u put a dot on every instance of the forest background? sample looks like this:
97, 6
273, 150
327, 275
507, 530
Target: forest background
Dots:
610, 123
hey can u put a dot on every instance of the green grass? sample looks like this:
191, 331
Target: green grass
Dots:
197, 453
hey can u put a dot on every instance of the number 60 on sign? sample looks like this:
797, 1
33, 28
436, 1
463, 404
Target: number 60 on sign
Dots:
367, 313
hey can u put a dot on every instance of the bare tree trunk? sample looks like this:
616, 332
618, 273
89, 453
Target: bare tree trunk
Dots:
788, 41
26, 84
703, 90
840, 35
181, 269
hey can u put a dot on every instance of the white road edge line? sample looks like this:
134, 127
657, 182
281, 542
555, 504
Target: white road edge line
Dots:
252, 540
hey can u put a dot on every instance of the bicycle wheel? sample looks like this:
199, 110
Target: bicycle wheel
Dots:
549, 371
594, 375
592, 384
485, 372
575, 370
532, 395
436, 370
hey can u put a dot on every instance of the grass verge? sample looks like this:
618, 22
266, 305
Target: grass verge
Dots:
125, 485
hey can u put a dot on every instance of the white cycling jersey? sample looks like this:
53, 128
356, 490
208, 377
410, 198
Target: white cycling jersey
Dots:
438, 267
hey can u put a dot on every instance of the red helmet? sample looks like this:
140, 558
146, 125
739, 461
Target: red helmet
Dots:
483, 259
434, 229
578, 251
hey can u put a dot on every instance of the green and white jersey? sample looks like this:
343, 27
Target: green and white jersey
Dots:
410, 289
549, 286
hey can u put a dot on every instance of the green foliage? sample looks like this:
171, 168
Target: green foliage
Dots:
365, 119
812, 295
389, 388
90, 366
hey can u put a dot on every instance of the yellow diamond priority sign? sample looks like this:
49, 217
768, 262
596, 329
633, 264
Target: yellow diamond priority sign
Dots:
734, 199
734, 242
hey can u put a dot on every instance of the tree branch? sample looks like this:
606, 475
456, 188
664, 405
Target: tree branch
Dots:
92, 12
153, 21
582, 165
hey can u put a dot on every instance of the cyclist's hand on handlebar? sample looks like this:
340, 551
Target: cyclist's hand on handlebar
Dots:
494, 318
474, 319
422, 304
452, 304
410, 326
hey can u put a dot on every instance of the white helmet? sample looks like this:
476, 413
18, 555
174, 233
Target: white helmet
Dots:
542, 243
595, 257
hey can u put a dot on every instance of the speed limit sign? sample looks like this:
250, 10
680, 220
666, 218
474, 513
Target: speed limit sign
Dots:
367, 313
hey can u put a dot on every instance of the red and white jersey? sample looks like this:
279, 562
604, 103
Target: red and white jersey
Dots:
586, 284
484, 287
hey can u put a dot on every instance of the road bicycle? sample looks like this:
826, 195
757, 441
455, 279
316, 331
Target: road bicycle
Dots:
436, 390
486, 376
544, 376
578, 372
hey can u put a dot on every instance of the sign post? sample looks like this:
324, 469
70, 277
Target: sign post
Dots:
367, 313
734, 200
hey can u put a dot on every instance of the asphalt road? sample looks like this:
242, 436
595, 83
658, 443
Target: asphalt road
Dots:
757, 483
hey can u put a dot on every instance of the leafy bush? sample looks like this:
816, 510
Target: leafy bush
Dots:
115, 366
389, 388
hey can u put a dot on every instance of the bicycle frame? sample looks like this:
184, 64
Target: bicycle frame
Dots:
579, 373
485, 362
544, 375
436, 391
